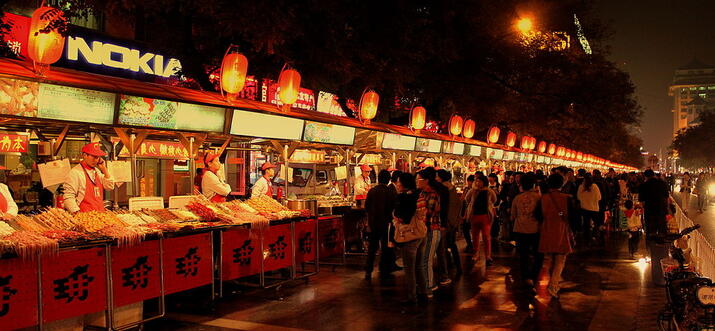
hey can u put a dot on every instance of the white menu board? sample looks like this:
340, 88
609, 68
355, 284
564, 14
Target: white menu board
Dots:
54, 172
121, 171
252, 124
397, 141
75, 104
428, 145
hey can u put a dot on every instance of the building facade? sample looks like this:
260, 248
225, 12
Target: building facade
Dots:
693, 92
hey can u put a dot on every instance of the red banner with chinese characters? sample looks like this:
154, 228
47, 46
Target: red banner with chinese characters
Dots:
74, 283
306, 246
18, 294
187, 262
269, 94
277, 247
159, 149
241, 254
332, 242
18, 34
135, 273
13, 143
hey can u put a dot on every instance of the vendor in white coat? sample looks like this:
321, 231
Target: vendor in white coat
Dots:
212, 185
263, 185
86, 182
362, 182
8, 208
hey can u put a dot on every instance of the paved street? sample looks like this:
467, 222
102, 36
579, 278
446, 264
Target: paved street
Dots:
705, 219
602, 291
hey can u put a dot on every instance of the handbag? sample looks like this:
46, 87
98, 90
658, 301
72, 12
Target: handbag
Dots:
409, 232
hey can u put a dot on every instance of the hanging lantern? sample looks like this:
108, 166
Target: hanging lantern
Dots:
368, 105
233, 71
560, 151
469, 127
45, 48
418, 118
542, 147
552, 149
455, 125
511, 139
532, 143
579, 156
289, 84
525, 142
493, 135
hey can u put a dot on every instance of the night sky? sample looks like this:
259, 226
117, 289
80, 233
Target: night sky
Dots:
651, 39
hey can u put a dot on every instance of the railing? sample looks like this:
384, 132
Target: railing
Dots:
697, 248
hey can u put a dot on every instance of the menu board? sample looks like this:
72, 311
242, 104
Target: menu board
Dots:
54, 172
451, 147
18, 97
472, 150
399, 142
75, 104
252, 124
428, 145
496, 154
529, 157
165, 114
328, 133
539, 159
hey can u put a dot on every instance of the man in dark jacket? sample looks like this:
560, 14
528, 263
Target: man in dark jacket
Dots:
379, 204
654, 195
447, 252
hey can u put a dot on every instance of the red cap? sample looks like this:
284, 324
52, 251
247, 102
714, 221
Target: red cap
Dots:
93, 149
391, 169
267, 165
365, 167
208, 157
3, 168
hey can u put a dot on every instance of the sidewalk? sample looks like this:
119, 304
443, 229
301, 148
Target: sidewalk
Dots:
602, 291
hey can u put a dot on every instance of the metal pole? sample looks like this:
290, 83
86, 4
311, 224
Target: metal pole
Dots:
285, 181
192, 162
133, 157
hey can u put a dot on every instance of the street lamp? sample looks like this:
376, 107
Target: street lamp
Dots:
525, 26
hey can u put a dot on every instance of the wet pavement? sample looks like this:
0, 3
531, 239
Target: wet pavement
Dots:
602, 290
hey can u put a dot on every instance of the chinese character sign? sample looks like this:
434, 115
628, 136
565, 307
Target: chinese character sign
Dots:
159, 149
241, 254
18, 294
135, 273
13, 143
277, 247
187, 262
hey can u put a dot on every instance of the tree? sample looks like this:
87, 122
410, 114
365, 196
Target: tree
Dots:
695, 144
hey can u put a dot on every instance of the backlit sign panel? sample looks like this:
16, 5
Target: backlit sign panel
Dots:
399, 142
428, 145
252, 124
328, 133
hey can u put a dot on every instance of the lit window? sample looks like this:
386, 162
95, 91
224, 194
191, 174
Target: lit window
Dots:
693, 88
702, 87
711, 87
703, 95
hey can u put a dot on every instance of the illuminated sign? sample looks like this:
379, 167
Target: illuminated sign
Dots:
269, 94
158, 149
451, 147
13, 143
400, 142
305, 155
165, 114
328, 133
251, 124
75, 104
328, 103
428, 145
496, 154
120, 57
472, 150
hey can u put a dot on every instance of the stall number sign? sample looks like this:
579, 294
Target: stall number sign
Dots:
13, 143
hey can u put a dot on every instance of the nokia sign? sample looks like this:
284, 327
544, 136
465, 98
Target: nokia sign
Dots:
119, 57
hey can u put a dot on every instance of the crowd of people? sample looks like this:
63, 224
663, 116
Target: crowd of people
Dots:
545, 216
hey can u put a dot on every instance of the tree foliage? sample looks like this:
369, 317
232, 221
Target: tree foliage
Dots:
695, 144
450, 56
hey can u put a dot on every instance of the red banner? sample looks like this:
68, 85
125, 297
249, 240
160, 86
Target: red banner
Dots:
159, 150
74, 283
277, 248
187, 262
19, 33
306, 241
135, 273
13, 143
241, 254
332, 242
18, 294
269, 94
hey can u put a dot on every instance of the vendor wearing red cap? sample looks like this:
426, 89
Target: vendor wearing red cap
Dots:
86, 182
264, 185
8, 208
362, 182
212, 186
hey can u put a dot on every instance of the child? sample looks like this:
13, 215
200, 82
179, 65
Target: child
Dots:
633, 215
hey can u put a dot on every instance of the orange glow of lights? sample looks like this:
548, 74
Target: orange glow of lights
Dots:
493, 135
511, 139
552, 149
560, 151
456, 124
525, 142
469, 128
418, 118
289, 83
368, 105
532, 143
233, 71
525, 25
579, 156
45, 48
542, 147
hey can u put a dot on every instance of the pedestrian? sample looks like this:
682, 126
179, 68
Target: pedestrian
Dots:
394, 177
686, 187
466, 220
481, 211
653, 193
444, 202
428, 204
701, 189
555, 234
633, 216
379, 205
524, 209
412, 251
589, 196
449, 254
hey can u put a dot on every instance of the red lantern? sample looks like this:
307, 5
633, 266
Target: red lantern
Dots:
560, 151
552, 149
368, 105
511, 139
579, 156
289, 84
233, 71
418, 118
45, 48
532, 143
469, 128
493, 135
542, 147
455, 125
525, 142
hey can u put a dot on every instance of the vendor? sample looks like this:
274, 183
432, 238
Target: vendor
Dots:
264, 185
85, 185
362, 182
212, 186
8, 208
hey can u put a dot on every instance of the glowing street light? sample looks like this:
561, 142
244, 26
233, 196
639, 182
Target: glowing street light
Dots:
525, 26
